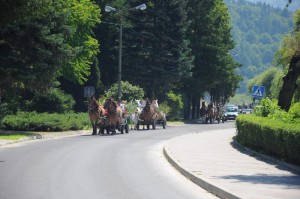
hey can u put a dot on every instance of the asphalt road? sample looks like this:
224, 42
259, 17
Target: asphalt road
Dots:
92, 167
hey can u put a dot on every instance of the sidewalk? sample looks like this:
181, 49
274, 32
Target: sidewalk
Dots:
214, 162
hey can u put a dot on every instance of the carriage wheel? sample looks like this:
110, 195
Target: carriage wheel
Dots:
126, 128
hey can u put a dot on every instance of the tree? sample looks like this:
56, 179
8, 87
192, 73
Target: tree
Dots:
270, 80
129, 92
213, 64
157, 50
43, 39
289, 55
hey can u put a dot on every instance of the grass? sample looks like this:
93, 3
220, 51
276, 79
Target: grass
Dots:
177, 122
13, 136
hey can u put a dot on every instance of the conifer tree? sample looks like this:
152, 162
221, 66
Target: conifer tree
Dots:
156, 47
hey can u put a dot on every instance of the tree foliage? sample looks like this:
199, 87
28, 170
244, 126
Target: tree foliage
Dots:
291, 61
157, 51
55, 101
214, 66
257, 31
42, 39
129, 92
271, 79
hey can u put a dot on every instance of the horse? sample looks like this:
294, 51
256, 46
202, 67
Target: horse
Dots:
148, 115
134, 117
96, 114
211, 113
114, 115
203, 111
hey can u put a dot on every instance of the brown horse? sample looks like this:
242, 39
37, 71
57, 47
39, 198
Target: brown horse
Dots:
211, 113
96, 114
203, 112
148, 115
114, 115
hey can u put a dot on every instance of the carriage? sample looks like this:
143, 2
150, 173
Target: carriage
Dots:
108, 117
220, 114
161, 119
122, 127
150, 116
211, 113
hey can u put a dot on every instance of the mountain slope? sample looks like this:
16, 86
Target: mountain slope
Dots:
257, 30
280, 3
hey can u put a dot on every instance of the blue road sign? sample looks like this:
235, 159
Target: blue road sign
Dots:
258, 91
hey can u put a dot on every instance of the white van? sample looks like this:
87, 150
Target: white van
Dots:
231, 112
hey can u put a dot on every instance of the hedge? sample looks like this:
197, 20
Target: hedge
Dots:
32, 121
276, 138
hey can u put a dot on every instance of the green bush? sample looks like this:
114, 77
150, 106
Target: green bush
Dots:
279, 139
269, 108
266, 106
165, 108
32, 121
129, 92
176, 105
55, 101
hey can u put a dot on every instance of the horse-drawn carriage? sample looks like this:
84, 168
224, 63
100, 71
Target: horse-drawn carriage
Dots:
211, 113
108, 117
150, 115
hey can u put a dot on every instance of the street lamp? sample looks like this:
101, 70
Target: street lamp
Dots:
111, 9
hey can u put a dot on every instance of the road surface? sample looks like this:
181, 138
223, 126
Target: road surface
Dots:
92, 167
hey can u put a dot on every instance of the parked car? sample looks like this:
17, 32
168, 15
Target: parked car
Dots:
246, 111
231, 112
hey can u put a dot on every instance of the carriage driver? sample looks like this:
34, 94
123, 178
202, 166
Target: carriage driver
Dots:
122, 106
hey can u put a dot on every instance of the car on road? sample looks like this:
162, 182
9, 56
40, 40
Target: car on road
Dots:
246, 111
231, 112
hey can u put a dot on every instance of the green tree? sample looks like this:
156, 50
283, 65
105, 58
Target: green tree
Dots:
55, 101
43, 39
176, 105
288, 56
129, 92
213, 65
270, 79
157, 51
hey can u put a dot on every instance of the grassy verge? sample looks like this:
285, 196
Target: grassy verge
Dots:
14, 135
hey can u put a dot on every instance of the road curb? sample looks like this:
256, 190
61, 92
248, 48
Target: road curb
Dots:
46, 136
202, 182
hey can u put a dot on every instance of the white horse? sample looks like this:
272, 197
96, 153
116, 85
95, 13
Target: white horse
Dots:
134, 117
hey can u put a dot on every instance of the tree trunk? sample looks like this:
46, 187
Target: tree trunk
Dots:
289, 84
189, 105
198, 107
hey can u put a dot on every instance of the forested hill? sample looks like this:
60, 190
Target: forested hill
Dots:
280, 3
257, 31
